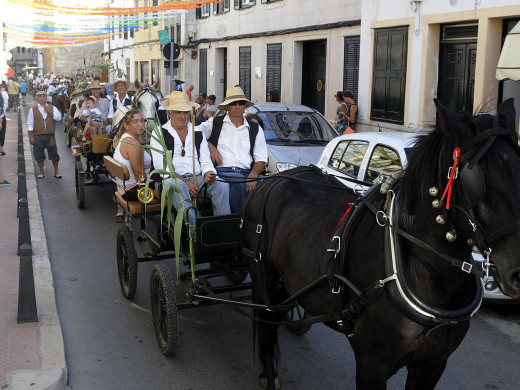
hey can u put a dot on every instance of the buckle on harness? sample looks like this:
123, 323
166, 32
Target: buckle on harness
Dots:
456, 172
466, 267
335, 240
241, 223
259, 258
258, 229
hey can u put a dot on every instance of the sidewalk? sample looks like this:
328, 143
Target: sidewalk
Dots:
32, 354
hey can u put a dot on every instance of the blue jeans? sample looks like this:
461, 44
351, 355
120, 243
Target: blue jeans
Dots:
236, 178
218, 191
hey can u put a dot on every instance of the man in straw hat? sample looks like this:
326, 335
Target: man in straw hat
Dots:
41, 124
178, 136
122, 99
237, 146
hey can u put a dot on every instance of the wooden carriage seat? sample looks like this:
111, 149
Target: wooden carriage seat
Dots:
121, 172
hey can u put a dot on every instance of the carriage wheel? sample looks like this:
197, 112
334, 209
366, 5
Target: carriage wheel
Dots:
164, 309
127, 262
236, 277
292, 315
80, 184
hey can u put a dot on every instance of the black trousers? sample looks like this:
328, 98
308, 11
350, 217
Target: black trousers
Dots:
2, 132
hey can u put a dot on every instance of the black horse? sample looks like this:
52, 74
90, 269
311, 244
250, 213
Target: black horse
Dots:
395, 274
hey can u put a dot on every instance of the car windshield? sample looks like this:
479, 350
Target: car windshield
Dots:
295, 126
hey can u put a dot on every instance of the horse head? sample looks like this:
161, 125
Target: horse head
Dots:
486, 189
146, 99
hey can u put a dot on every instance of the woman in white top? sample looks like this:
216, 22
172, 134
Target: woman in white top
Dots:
129, 151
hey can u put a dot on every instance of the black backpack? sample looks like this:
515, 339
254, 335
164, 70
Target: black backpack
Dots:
218, 122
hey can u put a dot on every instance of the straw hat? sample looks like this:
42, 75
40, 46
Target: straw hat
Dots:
41, 93
113, 86
95, 84
77, 92
234, 94
178, 101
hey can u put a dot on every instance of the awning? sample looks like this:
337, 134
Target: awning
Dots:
10, 72
509, 63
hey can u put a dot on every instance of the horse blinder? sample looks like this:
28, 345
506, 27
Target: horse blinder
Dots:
473, 185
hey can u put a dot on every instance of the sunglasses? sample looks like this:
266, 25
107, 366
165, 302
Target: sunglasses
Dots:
239, 102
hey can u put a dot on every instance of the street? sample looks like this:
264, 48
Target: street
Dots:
110, 341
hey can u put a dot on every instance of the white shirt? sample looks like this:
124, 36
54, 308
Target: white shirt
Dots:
105, 106
233, 143
5, 96
183, 165
147, 162
119, 103
30, 118
51, 89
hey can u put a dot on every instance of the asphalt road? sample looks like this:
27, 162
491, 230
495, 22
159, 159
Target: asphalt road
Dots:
110, 342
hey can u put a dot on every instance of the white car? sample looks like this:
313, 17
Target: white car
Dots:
367, 156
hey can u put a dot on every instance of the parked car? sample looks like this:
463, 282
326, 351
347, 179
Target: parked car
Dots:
369, 156
295, 134
365, 157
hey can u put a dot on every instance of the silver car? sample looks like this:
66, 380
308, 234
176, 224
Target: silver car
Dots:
295, 134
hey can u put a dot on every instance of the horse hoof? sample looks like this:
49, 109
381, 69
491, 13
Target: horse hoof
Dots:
263, 383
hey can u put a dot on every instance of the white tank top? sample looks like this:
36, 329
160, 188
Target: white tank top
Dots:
118, 157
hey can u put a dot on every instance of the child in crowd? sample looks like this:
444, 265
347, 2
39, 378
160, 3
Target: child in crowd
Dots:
93, 116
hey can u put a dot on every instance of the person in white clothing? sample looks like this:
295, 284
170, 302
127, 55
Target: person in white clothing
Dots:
237, 146
130, 153
121, 98
178, 137
41, 125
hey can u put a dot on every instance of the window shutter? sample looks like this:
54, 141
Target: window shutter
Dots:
237, 4
244, 78
274, 68
203, 70
351, 65
389, 74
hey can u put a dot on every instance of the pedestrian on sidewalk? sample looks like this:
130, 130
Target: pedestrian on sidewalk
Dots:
3, 182
23, 90
14, 91
41, 124
4, 101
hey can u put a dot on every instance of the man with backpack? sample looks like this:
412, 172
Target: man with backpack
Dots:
178, 137
237, 146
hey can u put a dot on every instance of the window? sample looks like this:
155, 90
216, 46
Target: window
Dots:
269, 1
220, 8
244, 77
155, 15
155, 70
145, 72
203, 12
348, 157
240, 4
203, 70
389, 74
351, 65
274, 68
145, 14
384, 162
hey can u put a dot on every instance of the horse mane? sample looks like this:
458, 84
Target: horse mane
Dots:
431, 153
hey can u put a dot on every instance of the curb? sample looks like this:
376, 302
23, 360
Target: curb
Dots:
53, 372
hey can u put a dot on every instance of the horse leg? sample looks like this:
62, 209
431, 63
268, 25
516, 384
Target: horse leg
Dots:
424, 377
371, 374
268, 351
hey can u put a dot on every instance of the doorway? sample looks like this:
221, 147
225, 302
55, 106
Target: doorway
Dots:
313, 74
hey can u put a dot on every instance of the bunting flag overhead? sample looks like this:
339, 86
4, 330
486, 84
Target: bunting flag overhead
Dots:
60, 23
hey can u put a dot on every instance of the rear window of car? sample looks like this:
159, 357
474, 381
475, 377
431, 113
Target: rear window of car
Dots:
385, 161
296, 126
348, 156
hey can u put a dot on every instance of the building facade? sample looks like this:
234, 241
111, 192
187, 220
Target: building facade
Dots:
415, 51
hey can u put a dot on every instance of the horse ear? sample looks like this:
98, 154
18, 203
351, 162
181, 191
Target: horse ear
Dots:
136, 84
451, 122
157, 84
507, 114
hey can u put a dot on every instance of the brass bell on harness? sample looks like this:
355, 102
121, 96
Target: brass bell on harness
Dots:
436, 204
451, 236
440, 219
470, 242
433, 191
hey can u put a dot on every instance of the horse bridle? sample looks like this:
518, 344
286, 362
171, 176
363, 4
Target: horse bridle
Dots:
472, 186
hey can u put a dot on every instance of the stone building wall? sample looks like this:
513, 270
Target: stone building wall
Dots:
68, 59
